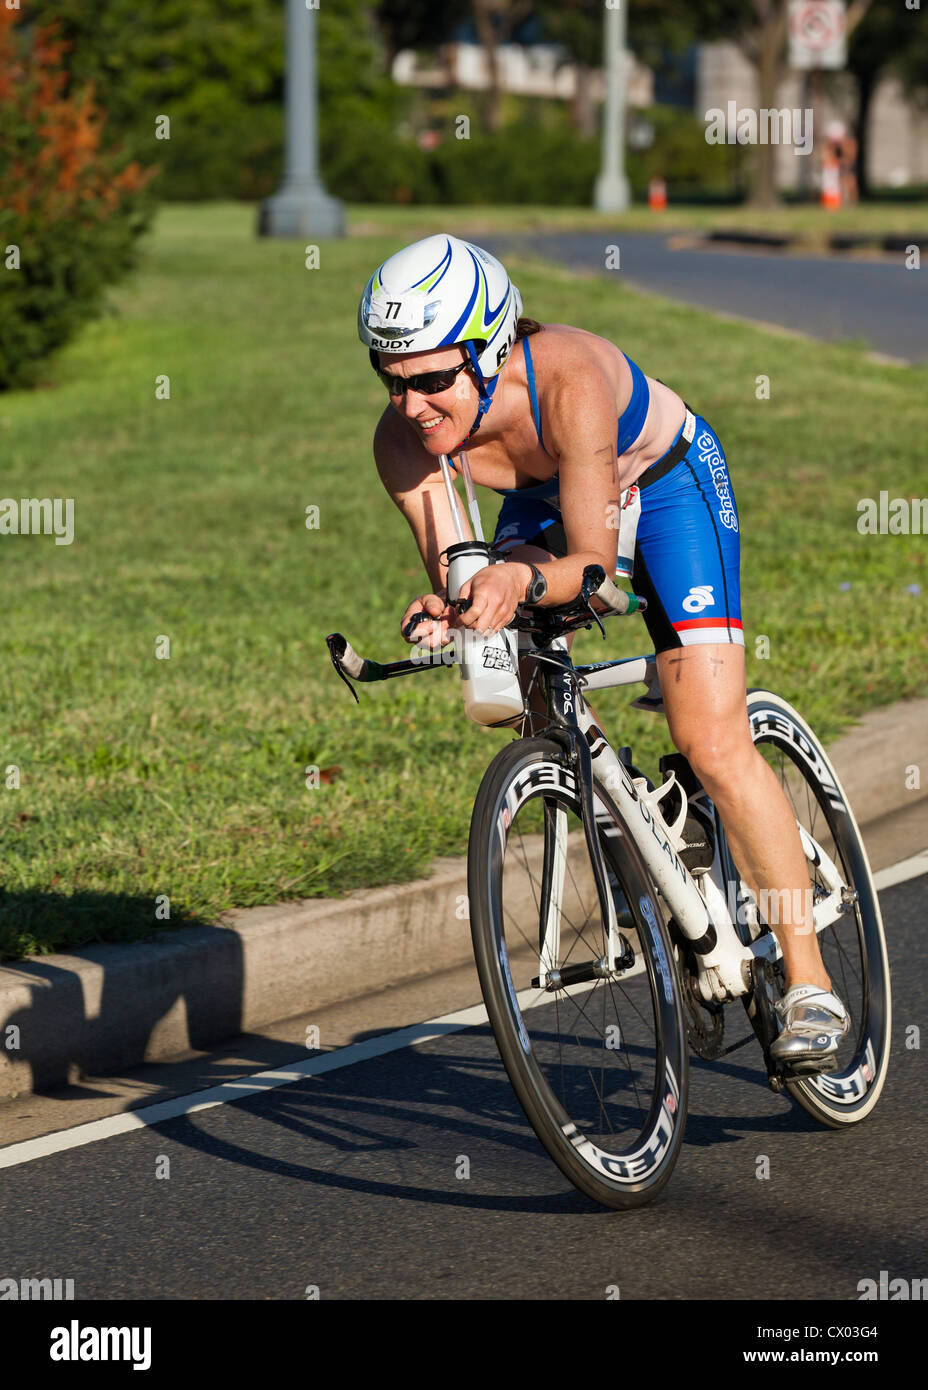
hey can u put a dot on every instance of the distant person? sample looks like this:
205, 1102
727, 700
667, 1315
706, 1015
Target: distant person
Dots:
841, 146
576, 432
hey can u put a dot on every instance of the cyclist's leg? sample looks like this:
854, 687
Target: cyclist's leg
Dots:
705, 700
687, 568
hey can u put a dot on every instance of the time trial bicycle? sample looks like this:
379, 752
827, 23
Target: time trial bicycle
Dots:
611, 928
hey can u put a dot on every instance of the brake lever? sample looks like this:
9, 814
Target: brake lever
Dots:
460, 604
414, 621
336, 645
593, 577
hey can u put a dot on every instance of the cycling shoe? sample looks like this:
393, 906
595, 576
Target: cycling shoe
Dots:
812, 1023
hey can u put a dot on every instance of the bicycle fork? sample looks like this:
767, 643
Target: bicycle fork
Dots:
618, 956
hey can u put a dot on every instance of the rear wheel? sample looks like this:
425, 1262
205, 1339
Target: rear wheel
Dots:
596, 1053
853, 944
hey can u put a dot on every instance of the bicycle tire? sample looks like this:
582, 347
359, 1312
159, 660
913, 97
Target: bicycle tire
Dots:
618, 1138
854, 946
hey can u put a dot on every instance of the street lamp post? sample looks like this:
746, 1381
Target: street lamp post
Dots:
612, 193
301, 207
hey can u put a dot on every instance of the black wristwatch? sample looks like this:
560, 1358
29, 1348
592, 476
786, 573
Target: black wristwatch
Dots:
538, 585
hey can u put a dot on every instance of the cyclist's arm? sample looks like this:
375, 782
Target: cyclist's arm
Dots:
412, 477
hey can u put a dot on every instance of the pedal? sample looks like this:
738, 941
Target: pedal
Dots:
810, 1068
766, 1025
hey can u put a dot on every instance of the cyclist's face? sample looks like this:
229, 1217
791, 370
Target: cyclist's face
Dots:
440, 418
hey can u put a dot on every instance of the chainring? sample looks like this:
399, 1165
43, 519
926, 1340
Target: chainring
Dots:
705, 1022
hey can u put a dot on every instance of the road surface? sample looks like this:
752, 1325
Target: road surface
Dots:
877, 302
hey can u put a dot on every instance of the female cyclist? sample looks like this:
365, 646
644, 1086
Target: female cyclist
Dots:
579, 439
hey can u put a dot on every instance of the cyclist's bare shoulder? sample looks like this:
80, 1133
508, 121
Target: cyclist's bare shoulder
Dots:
562, 352
578, 374
579, 371
403, 462
560, 343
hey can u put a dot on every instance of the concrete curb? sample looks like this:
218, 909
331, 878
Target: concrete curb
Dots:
108, 1008
848, 242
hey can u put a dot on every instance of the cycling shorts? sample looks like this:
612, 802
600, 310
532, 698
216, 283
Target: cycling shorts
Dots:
684, 558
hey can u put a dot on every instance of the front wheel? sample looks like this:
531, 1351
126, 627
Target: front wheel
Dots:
853, 945
595, 1050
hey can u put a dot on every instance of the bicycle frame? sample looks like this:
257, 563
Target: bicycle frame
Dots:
724, 964
723, 960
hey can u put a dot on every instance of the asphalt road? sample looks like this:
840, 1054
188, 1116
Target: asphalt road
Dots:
877, 302
348, 1182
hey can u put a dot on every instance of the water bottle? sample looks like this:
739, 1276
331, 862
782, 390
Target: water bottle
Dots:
489, 665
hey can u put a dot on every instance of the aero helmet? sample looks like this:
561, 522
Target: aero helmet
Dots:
439, 292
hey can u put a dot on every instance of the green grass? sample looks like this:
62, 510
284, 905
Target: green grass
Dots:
185, 777
808, 222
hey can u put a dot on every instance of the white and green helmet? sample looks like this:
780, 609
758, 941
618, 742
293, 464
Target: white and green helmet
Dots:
438, 292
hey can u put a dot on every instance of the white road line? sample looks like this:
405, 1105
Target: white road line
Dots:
61, 1140
47, 1144
901, 872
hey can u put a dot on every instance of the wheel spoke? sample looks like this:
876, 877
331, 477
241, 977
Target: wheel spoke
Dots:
604, 1052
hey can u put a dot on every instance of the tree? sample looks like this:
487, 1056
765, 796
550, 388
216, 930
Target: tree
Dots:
889, 39
757, 27
496, 21
144, 60
213, 67
654, 28
414, 24
216, 68
71, 206
762, 40
577, 26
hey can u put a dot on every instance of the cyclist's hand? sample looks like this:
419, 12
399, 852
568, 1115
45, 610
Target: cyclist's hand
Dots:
429, 632
495, 594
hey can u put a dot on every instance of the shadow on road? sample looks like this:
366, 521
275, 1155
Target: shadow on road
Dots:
197, 993
419, 1112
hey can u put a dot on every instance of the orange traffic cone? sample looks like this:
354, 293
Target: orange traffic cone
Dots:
831, 183
657, 195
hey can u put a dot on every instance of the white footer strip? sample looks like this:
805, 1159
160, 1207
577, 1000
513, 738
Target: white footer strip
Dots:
46, 1144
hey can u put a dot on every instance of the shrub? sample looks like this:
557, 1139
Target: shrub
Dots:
681, 156
372, 164
70, 212
519, 164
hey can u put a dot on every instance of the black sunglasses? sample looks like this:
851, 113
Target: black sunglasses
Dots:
427, 383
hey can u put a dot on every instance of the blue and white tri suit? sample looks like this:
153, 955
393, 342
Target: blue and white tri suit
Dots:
685, 560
